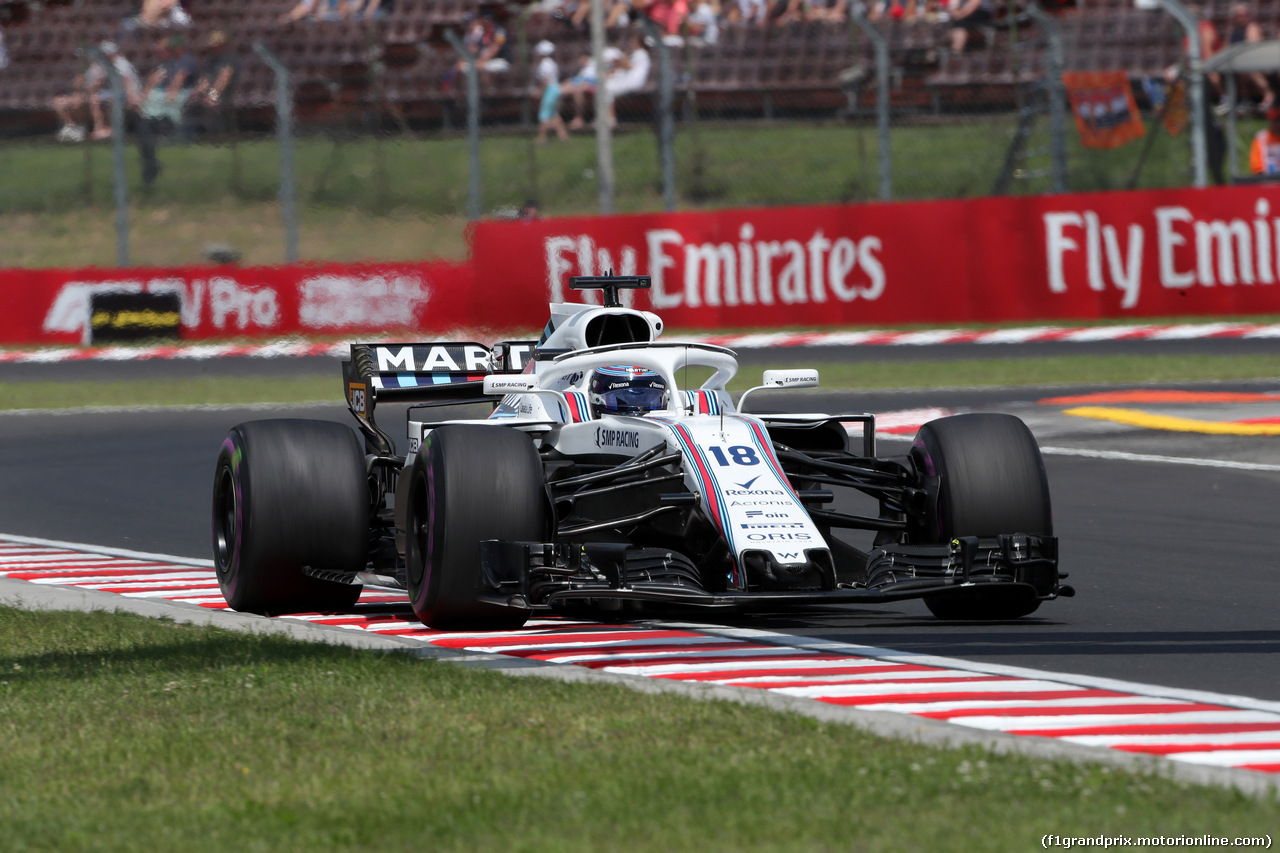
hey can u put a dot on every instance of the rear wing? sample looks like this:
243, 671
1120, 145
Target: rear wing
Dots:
432, 373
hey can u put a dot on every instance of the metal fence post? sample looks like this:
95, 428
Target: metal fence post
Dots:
1195, 88
473, 124
666, 121
1057, 96
604, 134
117, 155
881, 46
284, 129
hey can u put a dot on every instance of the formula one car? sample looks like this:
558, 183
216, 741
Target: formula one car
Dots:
601, 483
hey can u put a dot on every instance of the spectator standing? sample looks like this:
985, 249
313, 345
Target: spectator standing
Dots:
4, 54
92, 91
967, 16
547, 81
1245, 29
667, 14
165, 95
220, 69
1264, 155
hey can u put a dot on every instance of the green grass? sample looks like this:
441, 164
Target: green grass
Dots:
123, 733
1058, 370
170, 392
404, 198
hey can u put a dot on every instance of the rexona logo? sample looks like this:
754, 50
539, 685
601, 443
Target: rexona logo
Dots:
791, 524
773, 537
749, 492
616, 438
747, 484
449, 358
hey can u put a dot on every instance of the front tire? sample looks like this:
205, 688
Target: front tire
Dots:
991, 480
470, 484
289, 494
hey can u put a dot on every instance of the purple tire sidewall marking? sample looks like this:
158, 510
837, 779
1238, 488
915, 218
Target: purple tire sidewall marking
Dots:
231, 579
428, 552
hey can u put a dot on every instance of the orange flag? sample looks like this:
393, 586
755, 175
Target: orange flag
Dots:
1106, 113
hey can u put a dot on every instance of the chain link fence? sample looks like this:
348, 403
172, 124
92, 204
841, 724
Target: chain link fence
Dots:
390, 143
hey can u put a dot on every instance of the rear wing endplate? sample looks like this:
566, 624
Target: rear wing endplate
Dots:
444, 373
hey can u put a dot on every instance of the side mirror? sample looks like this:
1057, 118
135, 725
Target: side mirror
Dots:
805, 378
500, 384
775, 379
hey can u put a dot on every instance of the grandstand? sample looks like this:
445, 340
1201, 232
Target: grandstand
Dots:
399, 60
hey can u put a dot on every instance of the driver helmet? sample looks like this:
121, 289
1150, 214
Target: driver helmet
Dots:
627, 391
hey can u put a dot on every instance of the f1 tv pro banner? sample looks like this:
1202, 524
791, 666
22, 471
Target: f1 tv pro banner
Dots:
57, 306
1084, 256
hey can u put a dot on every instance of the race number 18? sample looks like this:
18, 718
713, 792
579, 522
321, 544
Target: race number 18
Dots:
739, 453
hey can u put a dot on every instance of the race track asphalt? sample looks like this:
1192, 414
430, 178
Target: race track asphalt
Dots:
1176, 565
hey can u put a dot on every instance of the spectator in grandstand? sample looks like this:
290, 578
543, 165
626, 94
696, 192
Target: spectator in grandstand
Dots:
629, 73
161, 14
4, 54
626, 73
584, 83
822, 10
369, 8
1245, 29
1264, 155
487, 42
547, 88
164, 96
703, 23
219, 69
317, 10
754, 12
667, 14
967, 16
92, 92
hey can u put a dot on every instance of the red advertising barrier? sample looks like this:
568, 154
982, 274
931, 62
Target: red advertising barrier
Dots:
1130, 254
1042, 258
52, 306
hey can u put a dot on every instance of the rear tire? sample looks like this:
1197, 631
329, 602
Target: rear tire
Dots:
470, 484
991, 480
289, 494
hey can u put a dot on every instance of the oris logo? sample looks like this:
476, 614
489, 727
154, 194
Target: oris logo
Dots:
773, 537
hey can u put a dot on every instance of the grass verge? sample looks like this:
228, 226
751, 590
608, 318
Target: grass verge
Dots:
1064, 370
404, 198
124, 733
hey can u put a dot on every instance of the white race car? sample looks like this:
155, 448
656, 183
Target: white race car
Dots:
605, 482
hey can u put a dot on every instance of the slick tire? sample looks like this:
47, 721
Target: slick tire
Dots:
991, 480
289, 495
470, 484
